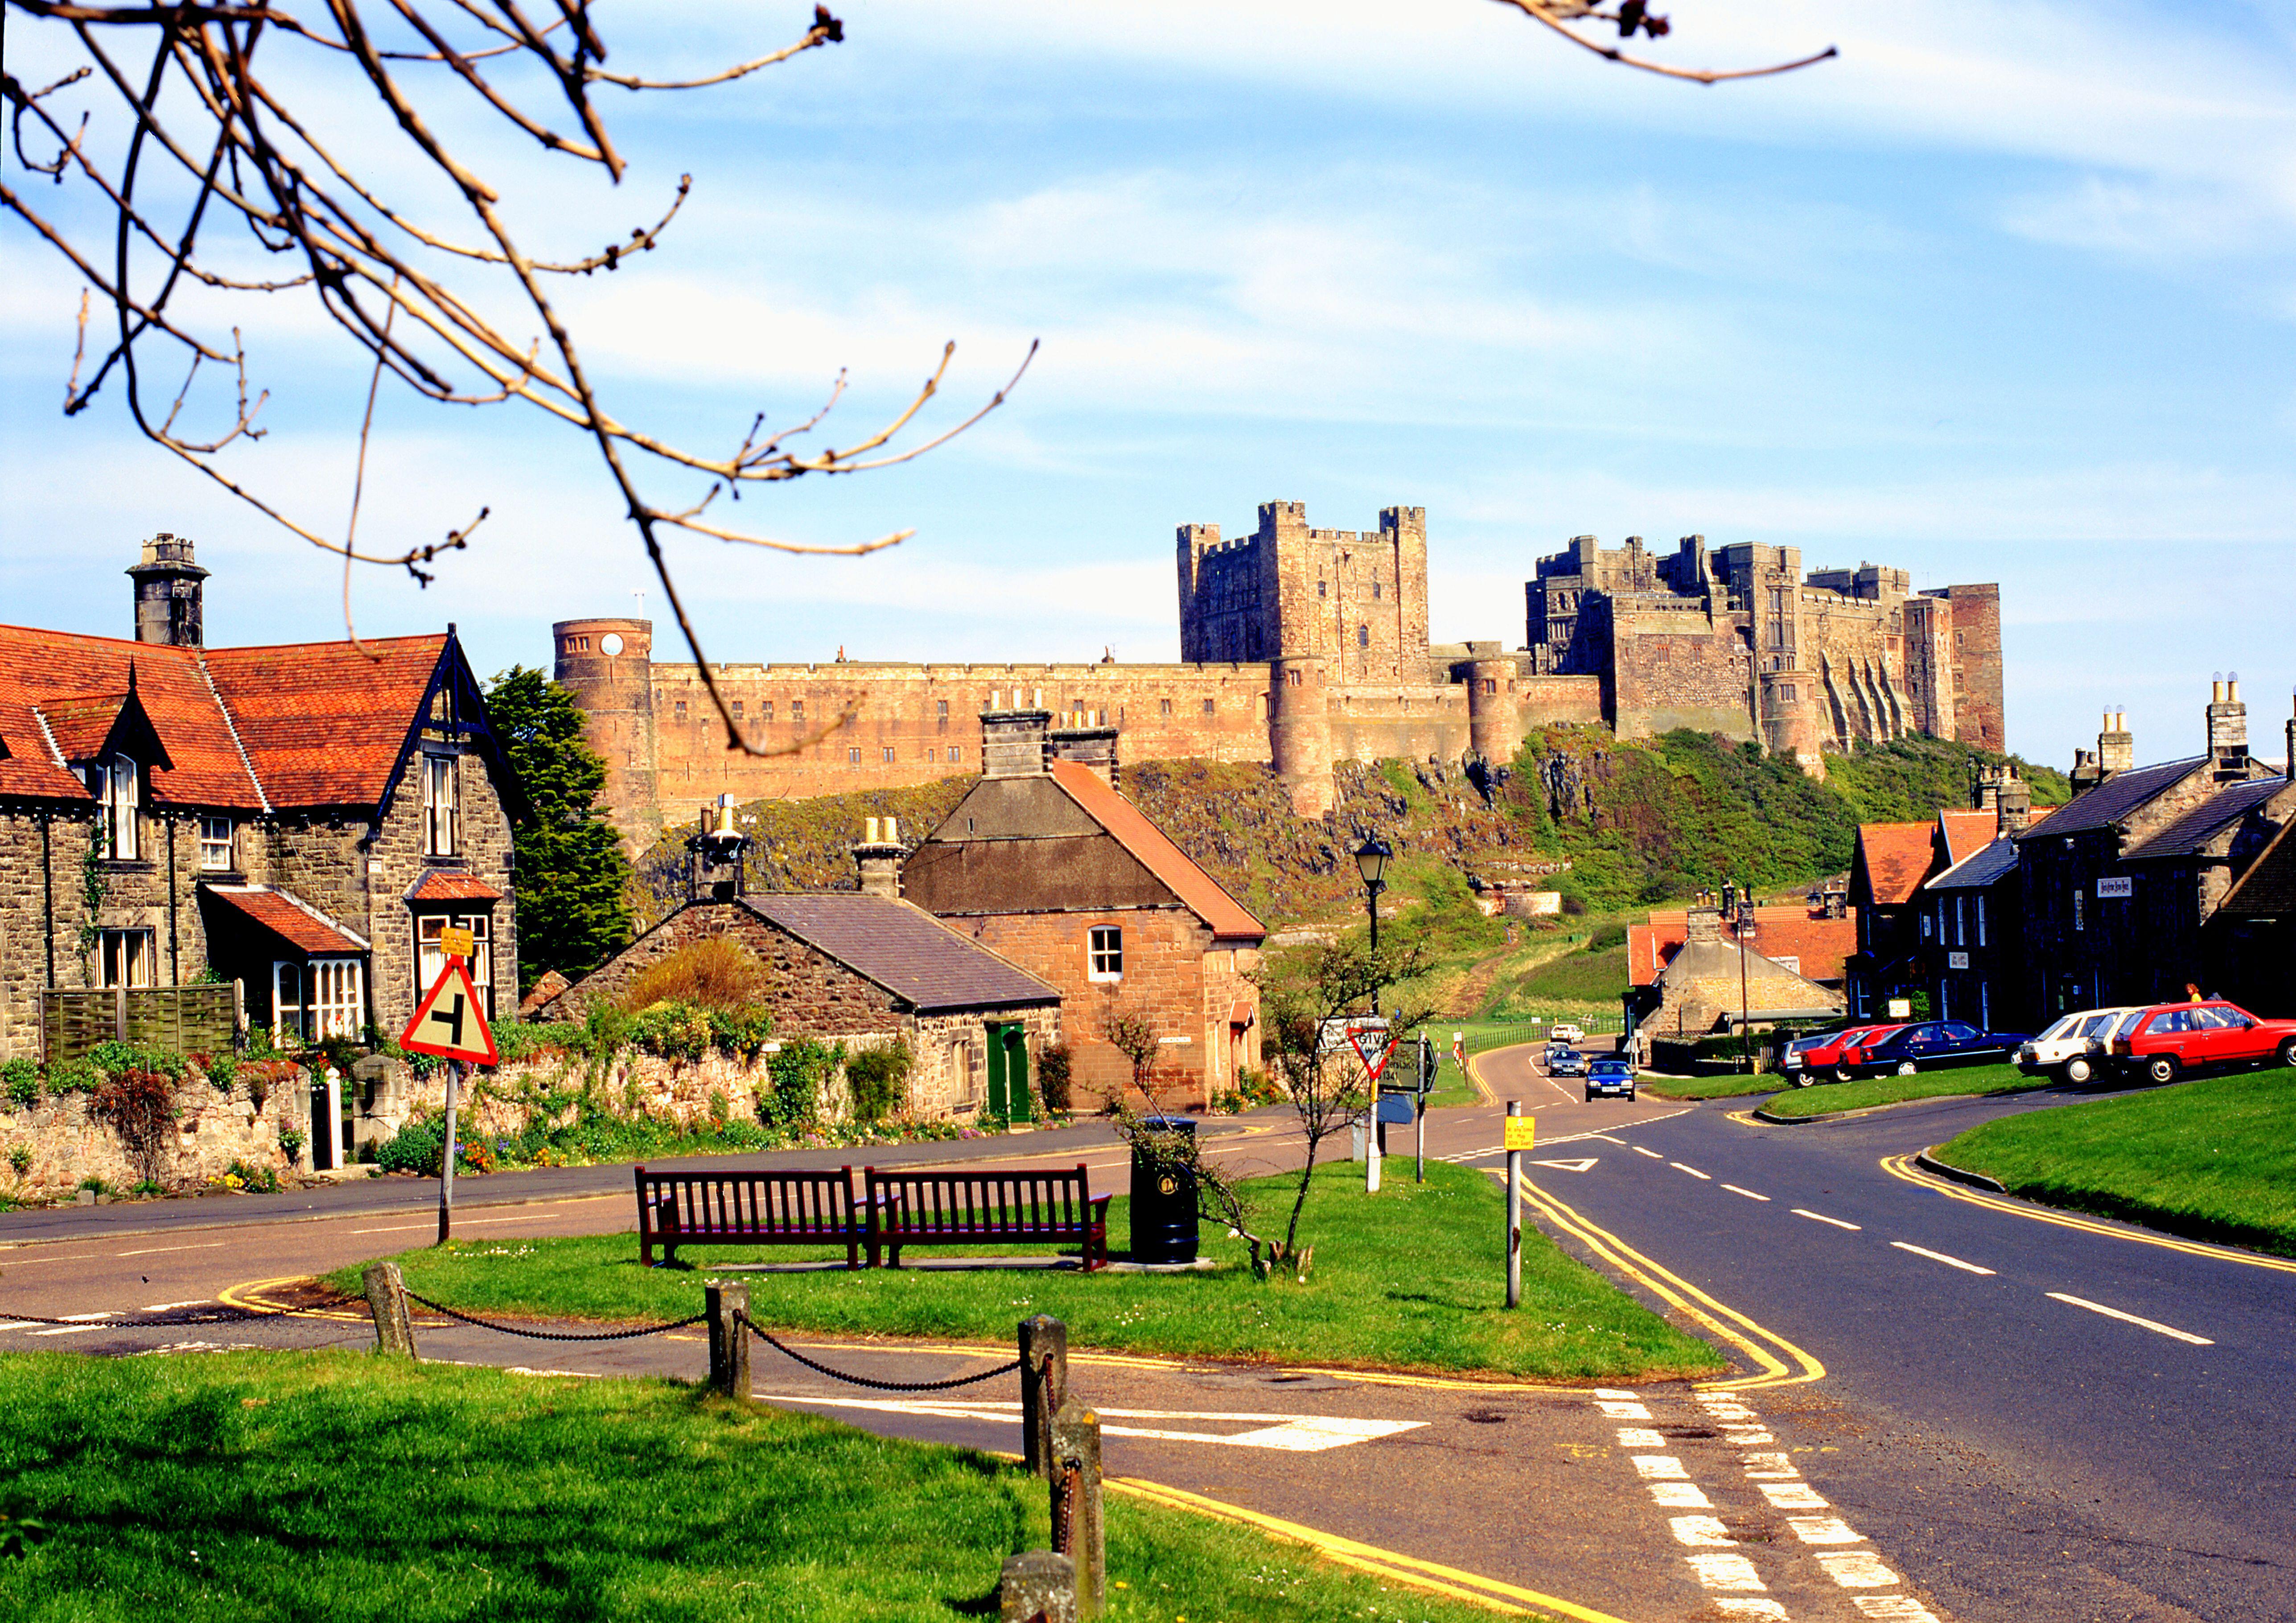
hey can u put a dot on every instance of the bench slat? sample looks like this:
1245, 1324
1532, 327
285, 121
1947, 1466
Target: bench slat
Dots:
761, 1207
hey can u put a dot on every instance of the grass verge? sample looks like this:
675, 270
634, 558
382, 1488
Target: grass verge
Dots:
1725, 1085
339, 1486
1411, 1278
2214, 1159
1832, 1098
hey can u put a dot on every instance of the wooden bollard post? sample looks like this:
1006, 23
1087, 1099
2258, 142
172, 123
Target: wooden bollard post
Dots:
1038, 1586
729, 1337
394, 1320
1043, 1384
1079, 1532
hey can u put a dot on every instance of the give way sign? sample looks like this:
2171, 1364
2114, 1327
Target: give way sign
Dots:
449, 1024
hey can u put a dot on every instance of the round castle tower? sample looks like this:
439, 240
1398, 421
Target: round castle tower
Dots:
1299, 733
1494, 714
608, 663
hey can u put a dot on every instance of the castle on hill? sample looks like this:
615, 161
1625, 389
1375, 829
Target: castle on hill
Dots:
1300, 647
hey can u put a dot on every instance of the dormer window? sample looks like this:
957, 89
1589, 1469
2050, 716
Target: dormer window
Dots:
115, 784
441, 814
215, 845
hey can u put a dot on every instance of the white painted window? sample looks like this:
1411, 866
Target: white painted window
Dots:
441, 818
430, 960
1104, 952
128, 957
317, 997
1979, 905
1960, 924
114, 786
215, 845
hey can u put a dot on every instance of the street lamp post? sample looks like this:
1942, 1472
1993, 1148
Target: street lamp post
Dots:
1745, 923
1371, 859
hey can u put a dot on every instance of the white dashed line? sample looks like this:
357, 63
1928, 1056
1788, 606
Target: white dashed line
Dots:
1639, 1436
71, 1330
1856, 1569
2130, 1318
153, 1250
1679, 1497
17, 1323
1693, 1171
1951, 1262
1819, 1217
171, 1307
1725, 1572
1623, 1411
1749, 1193
1653, 1154
1893, 1606
1660, 1467
1792, 1496
1730, 1607
1823, 1530
1701, 1532
1771, 1467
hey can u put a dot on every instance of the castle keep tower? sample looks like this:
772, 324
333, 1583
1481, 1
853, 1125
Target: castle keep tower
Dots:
609, 665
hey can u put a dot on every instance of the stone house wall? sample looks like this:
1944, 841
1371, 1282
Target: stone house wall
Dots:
217, 1128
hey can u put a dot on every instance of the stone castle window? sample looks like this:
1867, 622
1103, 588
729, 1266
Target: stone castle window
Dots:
1104, 951
737, 709
853, 756
1163, 707
215, 845
797, 709
1362, 636
1374, 591
1208, 706
1323, 588
889, 755
766, 710
677, 710
956, 752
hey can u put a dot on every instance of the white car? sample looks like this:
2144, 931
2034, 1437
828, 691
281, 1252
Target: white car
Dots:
2070, 1046
1565, 1032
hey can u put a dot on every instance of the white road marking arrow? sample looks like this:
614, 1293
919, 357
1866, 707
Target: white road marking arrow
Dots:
1580, 1165
1290, 1433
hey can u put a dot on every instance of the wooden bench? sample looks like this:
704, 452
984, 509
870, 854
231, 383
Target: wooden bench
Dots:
946, 1208
748, 1207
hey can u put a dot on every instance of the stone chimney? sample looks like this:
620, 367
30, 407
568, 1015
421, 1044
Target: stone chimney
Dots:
2116, 746
2013, 810
1091, 744
168, 596
879, 857
716, 865
2227, 729
1705, 923
1015, 743
1837, 903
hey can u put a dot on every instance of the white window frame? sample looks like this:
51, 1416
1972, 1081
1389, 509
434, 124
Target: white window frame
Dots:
217, 843
1103, 953
441, 805
338, 997
429, 961
128, 957
1980, 925
114, 785
1959, 923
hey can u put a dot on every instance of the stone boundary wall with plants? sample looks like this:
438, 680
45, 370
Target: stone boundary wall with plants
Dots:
132, 1119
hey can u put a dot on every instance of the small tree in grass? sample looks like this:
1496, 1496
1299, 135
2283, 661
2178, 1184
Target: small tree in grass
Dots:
1134, 1036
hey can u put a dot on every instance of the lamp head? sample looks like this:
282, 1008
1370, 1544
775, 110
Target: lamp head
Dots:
1371, 859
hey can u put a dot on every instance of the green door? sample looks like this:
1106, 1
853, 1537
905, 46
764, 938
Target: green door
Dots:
1008, 1072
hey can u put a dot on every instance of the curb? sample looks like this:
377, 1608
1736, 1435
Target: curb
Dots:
1894, 1104
1975, 1180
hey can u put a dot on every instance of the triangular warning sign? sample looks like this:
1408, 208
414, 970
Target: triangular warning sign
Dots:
450, 1024
1372, 1045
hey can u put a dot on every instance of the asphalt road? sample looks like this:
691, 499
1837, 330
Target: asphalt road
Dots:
1906, 1439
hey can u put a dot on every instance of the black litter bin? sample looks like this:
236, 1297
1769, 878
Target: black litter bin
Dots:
1163, 1200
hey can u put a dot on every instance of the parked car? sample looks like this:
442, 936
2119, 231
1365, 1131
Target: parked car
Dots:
1791, 1058
1830, 1055
1931, 1044
2074, 1044
1611, 1076
1565, 1032
1565, 1062
2166, 1040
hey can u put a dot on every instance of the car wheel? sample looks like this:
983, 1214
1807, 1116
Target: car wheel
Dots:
2078, 1070
1842, 1073
1802, 1078
1590, 1095
1906, 1068
2161, 1067
2288, 1054
1630, 1095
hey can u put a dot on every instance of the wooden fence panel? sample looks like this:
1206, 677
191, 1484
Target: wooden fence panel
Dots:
185, 1019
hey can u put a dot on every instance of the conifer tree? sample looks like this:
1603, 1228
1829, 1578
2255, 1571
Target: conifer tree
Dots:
573, 878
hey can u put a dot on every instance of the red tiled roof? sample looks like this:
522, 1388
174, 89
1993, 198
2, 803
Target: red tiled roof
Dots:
324, 723
1820, 946
1966, 831
446, 885
79, 675
301, 926
1226, 917
1895, 857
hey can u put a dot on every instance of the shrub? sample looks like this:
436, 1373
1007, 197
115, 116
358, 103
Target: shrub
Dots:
73, 1077
22, 1079
1055, 1067
221, 1070
257, 1180
877, 1078
118, 1058
799, 1069
418, 1146
290, 1142
673, 1030
141, 1105
743, 1031
20, 1156
262, 1076
712, 973
518, 1040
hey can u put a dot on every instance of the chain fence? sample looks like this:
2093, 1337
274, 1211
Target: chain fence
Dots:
557, 1335
874, 1385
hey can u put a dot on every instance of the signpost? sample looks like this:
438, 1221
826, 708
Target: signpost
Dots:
1521, 1134
451, 1024
1375, 1044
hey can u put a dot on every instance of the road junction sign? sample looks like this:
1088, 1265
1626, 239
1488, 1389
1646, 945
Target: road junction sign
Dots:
449, 1023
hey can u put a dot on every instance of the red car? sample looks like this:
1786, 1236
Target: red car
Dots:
2168, 1039
1833, 1055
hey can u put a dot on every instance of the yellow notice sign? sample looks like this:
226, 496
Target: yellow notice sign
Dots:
456, 941
1521, 1132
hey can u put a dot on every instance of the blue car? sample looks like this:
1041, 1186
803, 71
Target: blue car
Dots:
1611, 1078
1936, 1044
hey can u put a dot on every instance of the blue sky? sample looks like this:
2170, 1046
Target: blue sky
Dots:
2007, 292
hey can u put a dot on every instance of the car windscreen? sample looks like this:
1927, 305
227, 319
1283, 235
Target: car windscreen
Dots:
2063, 1025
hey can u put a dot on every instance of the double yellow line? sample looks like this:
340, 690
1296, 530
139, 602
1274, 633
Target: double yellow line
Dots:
1778, 1362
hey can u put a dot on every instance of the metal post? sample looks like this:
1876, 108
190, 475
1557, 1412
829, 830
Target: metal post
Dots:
393, 1321
727, 1301
446, 1161
1514, 1218
1741, 927
1043, 1387
1419, 1117
1375, 1145
1078, 1531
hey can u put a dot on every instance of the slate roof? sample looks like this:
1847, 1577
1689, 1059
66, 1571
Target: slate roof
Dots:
2117, 797
1894, 856
250, 729
297, 922
1129, 825
2188, 833
1820, 945
2268, 890
902, 949
1774, 991
1980, 868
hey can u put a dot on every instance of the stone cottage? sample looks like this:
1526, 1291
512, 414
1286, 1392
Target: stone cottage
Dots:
1046, 862
302, 820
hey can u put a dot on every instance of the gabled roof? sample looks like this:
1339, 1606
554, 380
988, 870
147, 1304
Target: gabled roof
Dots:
1819, 945
446, 885
1154, 850
1893, 856
1980, 868
902, 949
2118, 795
85, 681
1967, 832
324, 723
294, 922
2188, 833
2268, 890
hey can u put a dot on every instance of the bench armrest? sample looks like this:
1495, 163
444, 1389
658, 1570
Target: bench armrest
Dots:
1100, 1207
